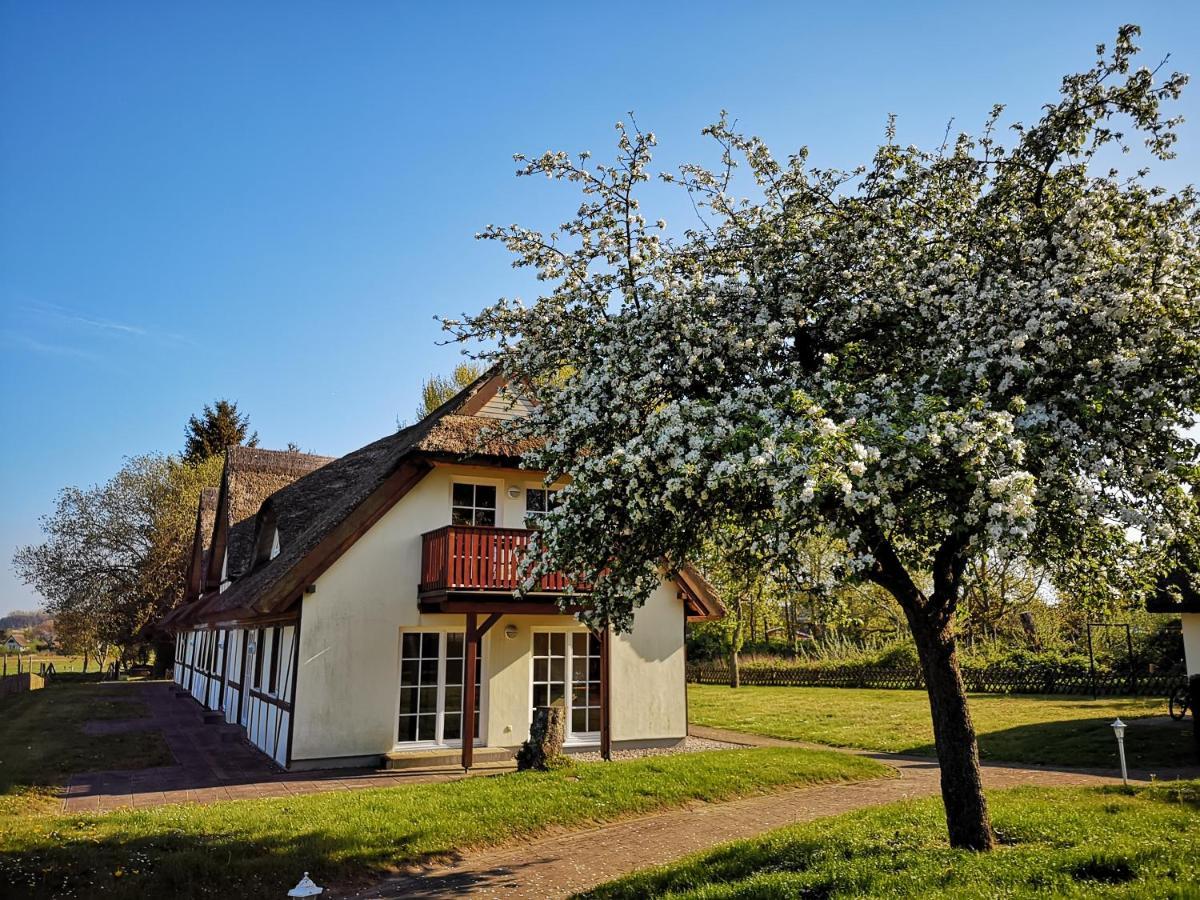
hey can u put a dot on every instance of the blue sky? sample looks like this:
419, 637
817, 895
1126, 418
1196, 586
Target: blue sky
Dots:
271, 201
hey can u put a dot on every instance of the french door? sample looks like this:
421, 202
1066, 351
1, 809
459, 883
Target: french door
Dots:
566, 667
432, 667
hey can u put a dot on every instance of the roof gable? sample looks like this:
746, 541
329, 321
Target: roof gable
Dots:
249, 477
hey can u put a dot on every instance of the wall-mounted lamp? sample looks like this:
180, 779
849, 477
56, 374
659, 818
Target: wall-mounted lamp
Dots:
510, 631
514, 492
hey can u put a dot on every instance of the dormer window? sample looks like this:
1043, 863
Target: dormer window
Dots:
275, 544
473, 504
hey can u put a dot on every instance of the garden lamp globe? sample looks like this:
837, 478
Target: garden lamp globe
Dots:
306, 888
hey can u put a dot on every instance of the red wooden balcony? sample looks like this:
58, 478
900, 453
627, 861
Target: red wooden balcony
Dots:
475, 559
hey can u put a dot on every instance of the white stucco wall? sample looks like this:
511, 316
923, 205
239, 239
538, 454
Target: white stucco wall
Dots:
1191, 642
347, 692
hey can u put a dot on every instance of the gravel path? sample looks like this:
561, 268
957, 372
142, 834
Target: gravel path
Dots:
563, 864
689, 745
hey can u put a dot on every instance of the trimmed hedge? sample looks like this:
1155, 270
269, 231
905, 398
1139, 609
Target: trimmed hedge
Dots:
1036, 678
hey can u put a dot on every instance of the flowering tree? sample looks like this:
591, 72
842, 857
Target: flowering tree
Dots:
983, 348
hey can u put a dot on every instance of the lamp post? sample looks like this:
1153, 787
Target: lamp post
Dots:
1118, 728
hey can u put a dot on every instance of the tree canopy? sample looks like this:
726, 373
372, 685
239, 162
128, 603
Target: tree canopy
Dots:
984, 347
437, 389
115, 555
218, 426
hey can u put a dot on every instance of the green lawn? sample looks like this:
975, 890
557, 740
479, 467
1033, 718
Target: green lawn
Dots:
253, 848
1066, 842
41, 743
1055, 730
61, 663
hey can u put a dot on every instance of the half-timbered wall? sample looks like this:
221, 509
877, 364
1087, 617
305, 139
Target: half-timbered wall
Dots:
234, 646
270, 675
248, 674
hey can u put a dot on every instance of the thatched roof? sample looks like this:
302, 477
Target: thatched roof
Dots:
250, 476
317, 516
310, 509
703, 604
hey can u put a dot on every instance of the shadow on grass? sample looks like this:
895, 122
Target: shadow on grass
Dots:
87, 861
1153, 744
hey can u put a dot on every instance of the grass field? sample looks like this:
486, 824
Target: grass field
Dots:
33, 661
1066, 842
1054, 730
41, 743
258, 848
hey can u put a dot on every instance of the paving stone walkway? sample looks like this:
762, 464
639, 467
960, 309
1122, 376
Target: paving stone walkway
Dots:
560, 865
211, 763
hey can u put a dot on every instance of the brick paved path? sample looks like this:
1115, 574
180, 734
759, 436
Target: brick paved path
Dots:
560, 865
212, 762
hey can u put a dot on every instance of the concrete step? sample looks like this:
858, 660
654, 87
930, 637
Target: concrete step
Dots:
448, 758
213, 717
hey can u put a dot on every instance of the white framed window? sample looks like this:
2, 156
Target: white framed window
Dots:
538, 501
566, 666
432, 670
473, 504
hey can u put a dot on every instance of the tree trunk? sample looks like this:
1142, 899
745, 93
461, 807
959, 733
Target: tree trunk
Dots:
967, 817
931, 621
735, 669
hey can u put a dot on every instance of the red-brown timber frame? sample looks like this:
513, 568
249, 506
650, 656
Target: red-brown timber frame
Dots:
475, 631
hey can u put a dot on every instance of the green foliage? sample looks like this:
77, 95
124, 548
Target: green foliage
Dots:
218, 426
437, 389
115, 555
1068, 842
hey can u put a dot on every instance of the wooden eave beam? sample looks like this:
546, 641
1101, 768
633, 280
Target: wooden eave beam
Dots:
497, 607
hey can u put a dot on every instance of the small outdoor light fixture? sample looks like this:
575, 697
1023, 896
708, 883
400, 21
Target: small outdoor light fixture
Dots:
305, 888
1118, 728
510, 631
513, 492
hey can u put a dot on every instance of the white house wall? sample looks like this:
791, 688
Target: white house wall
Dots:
1191, 642
348, 680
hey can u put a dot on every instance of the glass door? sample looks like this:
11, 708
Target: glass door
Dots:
432, 666
566, 667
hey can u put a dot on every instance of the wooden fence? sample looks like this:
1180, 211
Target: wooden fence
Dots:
18, 684
991, 680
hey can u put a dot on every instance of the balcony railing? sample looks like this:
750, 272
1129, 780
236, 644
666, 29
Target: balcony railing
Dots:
474, 558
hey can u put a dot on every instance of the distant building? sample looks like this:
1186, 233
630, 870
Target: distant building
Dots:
15, 645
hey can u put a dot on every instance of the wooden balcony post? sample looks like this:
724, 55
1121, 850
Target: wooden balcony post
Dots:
605, 694
468, 705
